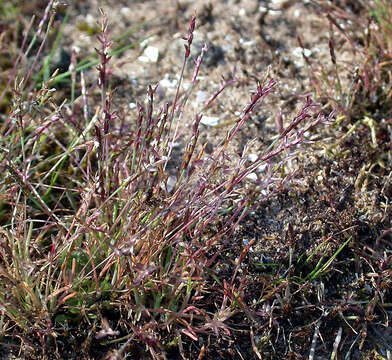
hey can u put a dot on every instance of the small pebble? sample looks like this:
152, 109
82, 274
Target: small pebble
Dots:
150, 54
209, 120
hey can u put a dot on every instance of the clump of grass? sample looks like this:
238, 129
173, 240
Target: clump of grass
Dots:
358, 80
359, 88
99, 236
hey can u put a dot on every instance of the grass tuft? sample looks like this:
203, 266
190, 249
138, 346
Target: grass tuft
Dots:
115, 244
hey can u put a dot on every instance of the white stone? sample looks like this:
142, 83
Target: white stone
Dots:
297, 52
167, 83
252, 176
150, 54
126, 11
202, 96
252, 157
262, 168
171, 181
209, 120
